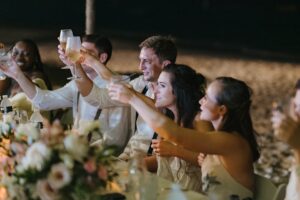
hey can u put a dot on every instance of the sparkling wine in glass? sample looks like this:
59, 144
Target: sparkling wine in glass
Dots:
4, 59
63, 36
73, 52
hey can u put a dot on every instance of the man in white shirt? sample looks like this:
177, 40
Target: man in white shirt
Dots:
287, 128
110, 118
156, 52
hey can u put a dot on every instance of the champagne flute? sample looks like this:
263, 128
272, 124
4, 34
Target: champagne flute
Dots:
73, 53
63, 36
4, 59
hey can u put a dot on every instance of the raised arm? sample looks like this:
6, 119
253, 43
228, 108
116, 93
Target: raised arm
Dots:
197, 141
16, 73
92, 62
165, 148
84, 83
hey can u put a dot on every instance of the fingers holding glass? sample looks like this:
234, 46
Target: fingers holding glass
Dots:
120, 92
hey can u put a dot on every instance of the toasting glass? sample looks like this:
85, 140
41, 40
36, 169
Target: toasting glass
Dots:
4, 59
73, 47
63, 36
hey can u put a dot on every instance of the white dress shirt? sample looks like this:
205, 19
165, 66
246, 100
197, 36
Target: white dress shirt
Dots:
293, 188
115, 130
141, 137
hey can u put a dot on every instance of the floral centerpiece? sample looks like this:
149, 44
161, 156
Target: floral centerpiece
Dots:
55, 164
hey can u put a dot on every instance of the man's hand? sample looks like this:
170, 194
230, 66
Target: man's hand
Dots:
120, 92
286, 129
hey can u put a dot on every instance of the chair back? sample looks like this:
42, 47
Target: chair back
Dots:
264, 188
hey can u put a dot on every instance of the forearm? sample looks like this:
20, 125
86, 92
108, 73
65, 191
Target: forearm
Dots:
146, 99
84, 84
157, 121
188, 156
103, 71
26, 84
99, 97
50, 100
151, 163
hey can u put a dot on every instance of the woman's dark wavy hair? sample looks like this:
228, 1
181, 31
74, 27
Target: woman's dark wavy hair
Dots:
188, 87
236, 96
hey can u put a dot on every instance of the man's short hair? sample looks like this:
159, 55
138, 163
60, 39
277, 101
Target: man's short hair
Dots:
164, 47
102, 44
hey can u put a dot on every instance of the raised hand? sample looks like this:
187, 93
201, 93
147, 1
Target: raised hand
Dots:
62, 56
88, 59
201, 158
294, 110
286, 129
164, 148
10, 68
120, 92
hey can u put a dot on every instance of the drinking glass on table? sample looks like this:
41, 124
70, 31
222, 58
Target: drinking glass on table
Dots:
63, 36
73, 53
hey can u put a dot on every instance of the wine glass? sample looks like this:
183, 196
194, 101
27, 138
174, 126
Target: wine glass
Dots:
63, 36
4, 58
73, 47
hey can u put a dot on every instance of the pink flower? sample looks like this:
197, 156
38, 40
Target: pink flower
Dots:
102, 173
90, 166
45, 192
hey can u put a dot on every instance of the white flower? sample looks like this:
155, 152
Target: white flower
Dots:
36, 156
5, 128
76, 146
14, 191
45, 192
67, 159
85, 127
27, 130
59, 176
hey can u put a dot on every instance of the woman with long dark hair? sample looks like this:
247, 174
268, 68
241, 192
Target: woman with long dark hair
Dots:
231, 149
178, 90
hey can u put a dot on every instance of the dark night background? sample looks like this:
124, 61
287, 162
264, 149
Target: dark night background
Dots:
260, 28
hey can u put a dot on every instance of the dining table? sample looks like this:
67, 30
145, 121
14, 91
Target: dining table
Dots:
154, 187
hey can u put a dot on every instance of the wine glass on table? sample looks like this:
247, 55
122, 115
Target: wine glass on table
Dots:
73, 47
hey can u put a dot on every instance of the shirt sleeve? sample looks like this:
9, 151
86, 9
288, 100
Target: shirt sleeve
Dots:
99, 97
60, 98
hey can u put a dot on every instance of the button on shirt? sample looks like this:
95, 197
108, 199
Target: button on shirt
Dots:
111, 125
142, 136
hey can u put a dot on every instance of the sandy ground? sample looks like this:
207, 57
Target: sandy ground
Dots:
270, 81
